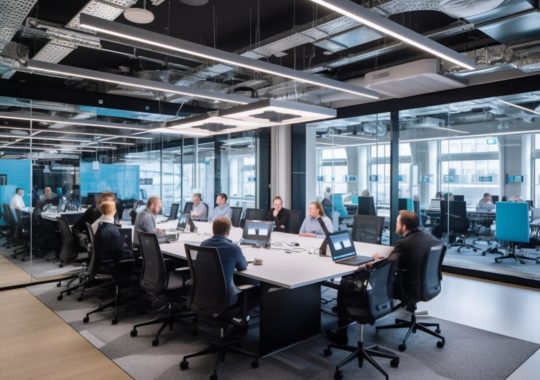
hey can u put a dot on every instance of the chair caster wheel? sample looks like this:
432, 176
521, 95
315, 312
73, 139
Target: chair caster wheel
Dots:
59, 284
114, 321
338, 375
497, 261
440, 343
79, 299
194, 333
133, 333
327, 351
394, 363
402, 347
438, 330
86, 320
23, 259
60, 297
184, 365
61, 265
213, 376
68, 293
255, 364
155, 342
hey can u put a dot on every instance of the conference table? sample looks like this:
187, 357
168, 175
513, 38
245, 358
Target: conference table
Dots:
290, 280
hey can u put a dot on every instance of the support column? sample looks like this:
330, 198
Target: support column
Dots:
280, 164
394, 173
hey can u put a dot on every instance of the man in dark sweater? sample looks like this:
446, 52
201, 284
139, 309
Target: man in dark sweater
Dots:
230, 254
90, 216
407, 256
110, 246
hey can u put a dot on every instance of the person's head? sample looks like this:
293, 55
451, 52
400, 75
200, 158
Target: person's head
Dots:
105, 197
197, 198
438, 195
19, 191
406, 221
107, 208
221, 226
278, 202
327, 191
47, 191
487, 197
154, 205
315, 209
365, 193
221, 199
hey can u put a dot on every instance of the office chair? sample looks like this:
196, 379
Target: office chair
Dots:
236, 216
188, 206
512, 225
295, 221
366, 206
173, 214
69, 251
339, 206
379, 304
22, 235
209, 303
11, 227
454, 221
430, 287
160, 283
368, 229
254, 214
405, 204
120, 279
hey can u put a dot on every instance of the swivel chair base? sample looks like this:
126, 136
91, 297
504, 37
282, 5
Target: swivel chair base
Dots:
412, 327
362, 353
220, 347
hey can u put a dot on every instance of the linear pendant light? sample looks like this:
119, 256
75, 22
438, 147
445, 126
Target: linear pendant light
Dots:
388, 27
131, 33
57, 69
519, 107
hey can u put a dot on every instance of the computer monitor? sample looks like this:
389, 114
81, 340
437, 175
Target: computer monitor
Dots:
459, 198
366, 206
341, 245
494, 198
257, 230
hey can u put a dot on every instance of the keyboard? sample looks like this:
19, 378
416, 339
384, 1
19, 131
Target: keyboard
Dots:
256, 243
356, 260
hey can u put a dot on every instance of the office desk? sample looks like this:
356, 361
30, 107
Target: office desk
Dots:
72, 216
290, 279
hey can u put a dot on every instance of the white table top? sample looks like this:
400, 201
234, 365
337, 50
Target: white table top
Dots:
283, 265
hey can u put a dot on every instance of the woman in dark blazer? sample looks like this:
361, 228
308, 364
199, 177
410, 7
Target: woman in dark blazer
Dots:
278, 215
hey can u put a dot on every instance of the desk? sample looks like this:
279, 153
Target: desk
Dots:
290, 310
72, 216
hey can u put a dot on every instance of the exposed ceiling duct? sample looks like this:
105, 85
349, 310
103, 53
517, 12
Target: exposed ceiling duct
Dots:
56, 49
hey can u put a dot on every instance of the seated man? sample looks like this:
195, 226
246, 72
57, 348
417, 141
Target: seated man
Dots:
485, 204
90, 216
199, 211
407, 256
110, 245
17, 201
278, 215
230, 254
48, 197
222, 208
146, 219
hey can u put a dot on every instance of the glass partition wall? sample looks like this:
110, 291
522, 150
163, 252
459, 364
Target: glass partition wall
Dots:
456, 161
58, 169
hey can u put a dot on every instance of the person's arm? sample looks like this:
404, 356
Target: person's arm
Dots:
303, 227
146, 224
194, 212
229, 213
283, 221
240, 260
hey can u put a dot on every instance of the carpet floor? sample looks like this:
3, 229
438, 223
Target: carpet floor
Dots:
469, 353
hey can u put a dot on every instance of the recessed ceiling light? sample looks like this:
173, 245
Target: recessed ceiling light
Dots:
194, 3
139, 15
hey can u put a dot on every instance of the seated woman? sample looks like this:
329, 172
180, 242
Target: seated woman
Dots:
311, 227
110, 245
278, 215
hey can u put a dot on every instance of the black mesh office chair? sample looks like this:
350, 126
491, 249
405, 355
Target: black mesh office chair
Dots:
209, 303
366, 206
11, 226
379, 304
236, 216
188, 206
120, 274
69, 251
173, 214
295, 221
454, 220
430, 287
22, 234
254, 214
368, 229
160, 283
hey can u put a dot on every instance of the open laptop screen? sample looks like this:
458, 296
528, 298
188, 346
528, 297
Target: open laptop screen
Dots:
183, 222
257, 230
341, 245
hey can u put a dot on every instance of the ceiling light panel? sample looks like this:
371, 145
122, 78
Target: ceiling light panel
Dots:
390, 28
139, 35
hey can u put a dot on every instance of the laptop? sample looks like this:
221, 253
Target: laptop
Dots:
185, 223
256, 233
343, 251
434, 204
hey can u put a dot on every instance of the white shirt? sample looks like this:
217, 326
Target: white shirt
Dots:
102, 219
17, 202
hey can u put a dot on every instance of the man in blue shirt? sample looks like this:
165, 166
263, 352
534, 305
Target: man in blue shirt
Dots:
230, 254
222, 208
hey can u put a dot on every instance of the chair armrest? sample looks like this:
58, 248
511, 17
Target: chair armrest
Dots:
246, 287
182, 269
